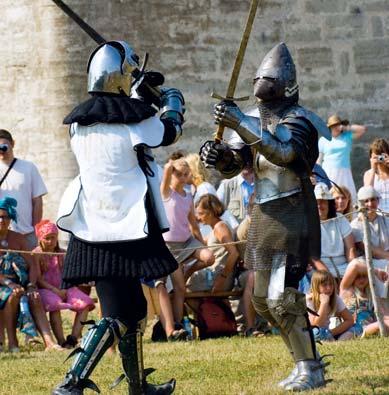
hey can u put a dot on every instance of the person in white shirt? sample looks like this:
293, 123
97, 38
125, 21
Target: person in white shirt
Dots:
337, 242
23, 183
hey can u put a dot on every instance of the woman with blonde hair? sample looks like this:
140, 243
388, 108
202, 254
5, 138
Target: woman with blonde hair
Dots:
200, 177
343, 200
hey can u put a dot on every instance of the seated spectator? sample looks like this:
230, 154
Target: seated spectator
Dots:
54, 298
343, 202
378, 224
355, 292
325, 301
235, 193
334, 155
201, 186
15, 283
378, 174
337, 242
183, 237
209, 210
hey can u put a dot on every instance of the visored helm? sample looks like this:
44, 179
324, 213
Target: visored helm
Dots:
276, 76
110, 68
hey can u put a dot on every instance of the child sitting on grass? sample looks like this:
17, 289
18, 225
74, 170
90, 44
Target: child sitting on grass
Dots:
325, 301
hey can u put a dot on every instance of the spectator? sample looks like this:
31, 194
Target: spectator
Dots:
325, 301
183, 237
355, 292
334, 155
378, 223
201, 186
337, 242
23, 183
235, 193
209, 209
53, 297
14, 279
343, 200
378, 174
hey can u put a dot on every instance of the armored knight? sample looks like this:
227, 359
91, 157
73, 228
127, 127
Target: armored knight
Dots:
285, 229
113, 209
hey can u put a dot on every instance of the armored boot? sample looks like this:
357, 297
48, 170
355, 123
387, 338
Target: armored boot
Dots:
93, 346
131, 352
291, 315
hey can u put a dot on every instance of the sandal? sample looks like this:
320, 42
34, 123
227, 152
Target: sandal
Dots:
178, 335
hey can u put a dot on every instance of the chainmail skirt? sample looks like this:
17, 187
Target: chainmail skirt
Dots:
147, 258
278, 227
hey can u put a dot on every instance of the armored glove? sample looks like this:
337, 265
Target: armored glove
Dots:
216, 155
228, 114
150, 79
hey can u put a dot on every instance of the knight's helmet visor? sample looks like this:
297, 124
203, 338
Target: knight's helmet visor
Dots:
110, 68
277, 69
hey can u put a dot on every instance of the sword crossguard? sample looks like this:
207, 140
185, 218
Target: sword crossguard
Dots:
219, 97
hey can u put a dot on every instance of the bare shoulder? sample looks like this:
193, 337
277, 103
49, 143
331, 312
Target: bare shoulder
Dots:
16, 240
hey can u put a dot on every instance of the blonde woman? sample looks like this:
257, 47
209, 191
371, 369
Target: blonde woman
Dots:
343, 200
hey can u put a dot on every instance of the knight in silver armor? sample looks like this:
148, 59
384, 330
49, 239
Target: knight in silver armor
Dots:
116, 227
285, 229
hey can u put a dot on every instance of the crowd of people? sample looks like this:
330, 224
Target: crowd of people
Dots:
205, 223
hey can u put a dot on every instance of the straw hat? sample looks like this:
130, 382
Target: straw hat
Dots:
336, 120
322, 192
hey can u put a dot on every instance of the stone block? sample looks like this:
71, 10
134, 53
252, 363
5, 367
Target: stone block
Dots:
377, 26
344, 63
304, 35
314, 58
371, 56
325, 6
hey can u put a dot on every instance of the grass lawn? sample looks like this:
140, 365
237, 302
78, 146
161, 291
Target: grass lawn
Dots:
218, 367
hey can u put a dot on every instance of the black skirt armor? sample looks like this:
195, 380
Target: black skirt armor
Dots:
147, 258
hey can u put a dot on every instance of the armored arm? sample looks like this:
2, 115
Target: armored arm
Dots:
291, 140
172, 109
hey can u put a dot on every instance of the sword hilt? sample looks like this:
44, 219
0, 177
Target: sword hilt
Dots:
218, 137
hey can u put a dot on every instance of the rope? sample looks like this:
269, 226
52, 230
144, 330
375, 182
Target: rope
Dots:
192, 248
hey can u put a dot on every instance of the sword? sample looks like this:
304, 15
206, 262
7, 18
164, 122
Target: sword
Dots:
99, 39
237, 66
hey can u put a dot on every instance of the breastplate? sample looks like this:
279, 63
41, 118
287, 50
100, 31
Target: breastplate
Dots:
272, 181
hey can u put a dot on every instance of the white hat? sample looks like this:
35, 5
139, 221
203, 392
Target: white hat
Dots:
322, 192
367, 192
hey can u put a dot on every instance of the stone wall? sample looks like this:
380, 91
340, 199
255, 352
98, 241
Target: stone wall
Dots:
341, 50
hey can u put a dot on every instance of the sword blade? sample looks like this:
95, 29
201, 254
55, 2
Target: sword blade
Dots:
98, 38
239, 60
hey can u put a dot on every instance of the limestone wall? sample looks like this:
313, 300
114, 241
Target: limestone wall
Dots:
341, 50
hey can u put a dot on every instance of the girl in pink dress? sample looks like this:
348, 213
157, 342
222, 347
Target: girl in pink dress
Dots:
53, 297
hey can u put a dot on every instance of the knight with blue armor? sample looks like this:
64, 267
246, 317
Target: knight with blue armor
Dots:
113, 209
281, 142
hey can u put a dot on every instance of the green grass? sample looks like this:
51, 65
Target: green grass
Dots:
236, 366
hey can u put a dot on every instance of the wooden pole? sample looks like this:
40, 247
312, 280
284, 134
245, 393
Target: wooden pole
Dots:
370, 270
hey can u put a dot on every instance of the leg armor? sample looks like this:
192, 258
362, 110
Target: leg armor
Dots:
285, 308
93, 346
131, 352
